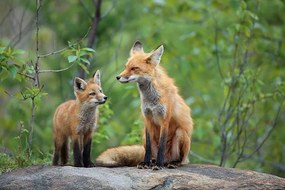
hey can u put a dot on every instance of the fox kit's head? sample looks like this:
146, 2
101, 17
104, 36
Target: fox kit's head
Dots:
140, 65
89, 93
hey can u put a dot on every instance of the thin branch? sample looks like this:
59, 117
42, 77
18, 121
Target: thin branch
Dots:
202, 158
89, 14
65, 48
6, 16
56, 71
36, 66
110, 9
217, 48
20, 28
36, 77
23, 30
26, 75
93, 33
275, 122
96, 19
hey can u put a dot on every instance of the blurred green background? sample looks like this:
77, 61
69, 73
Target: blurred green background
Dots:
227, 58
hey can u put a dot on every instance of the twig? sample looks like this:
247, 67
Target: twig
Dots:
56, 71
92, 34
275, 122
6, 16
26, 75
110, 9
86, 9
65, 48
217, 48
36, 76
202, 158
36, 66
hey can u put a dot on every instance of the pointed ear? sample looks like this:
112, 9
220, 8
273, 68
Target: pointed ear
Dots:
156, 55
137, 47
79, 84
97, 77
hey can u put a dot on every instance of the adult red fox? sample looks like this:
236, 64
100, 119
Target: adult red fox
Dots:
77, 119
167, 119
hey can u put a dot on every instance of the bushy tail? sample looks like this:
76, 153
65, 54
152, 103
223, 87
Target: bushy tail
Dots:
121, 156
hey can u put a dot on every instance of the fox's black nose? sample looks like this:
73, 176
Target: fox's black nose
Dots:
118, 77
105, 98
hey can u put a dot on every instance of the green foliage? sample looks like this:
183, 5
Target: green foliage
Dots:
10, 63
79, 55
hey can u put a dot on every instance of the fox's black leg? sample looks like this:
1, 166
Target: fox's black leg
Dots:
64, 151
77, 154
146, 162
86, 153
160, 154
55, 158
56, 154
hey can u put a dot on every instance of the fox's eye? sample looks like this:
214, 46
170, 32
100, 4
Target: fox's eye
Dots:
134, 68
92, 94
100, 90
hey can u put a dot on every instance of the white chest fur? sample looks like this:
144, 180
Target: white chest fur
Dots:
151, 105
87, 119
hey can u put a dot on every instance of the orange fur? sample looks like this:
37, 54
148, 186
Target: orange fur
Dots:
78, 119
121, 156
167, 118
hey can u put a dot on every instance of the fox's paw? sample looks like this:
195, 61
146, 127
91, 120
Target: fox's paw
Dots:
143, 165
89, 165
173, 164
156, 167
78, 165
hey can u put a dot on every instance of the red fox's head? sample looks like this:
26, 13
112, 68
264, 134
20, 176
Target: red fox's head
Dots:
89, 93
140, 64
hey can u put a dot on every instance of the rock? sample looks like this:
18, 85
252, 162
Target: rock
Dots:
186, 177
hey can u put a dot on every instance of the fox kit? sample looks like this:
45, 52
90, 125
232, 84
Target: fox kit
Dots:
77, 119
167, 121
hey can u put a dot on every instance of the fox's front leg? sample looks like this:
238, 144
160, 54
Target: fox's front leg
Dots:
77, 151
86, 151
161, 146
147, 158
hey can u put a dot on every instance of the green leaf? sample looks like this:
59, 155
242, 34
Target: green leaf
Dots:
245, 30
85, 61
18, 52
84, 67
252, 15
2, 49
237, 27
13, 70
82, 53
71, 58
89, 49
243, 5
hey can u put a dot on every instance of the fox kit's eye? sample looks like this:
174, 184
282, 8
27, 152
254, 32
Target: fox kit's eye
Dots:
134, 68
92, 94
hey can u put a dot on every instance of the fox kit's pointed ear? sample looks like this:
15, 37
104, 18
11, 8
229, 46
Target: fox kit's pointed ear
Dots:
97, 77
79, 84
137, 47
156, 54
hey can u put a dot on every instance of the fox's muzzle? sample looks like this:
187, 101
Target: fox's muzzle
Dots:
104, 100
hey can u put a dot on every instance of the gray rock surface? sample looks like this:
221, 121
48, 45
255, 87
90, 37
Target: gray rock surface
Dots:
186, 177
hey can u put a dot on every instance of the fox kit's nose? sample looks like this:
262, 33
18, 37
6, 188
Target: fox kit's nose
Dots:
105, 98
118, 77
